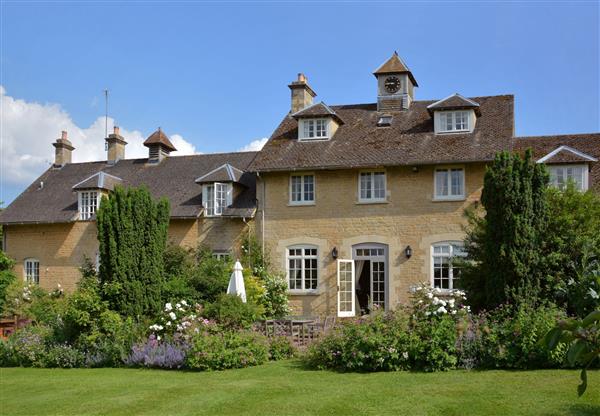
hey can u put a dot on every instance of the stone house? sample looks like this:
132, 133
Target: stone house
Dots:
50, 228
359, 202
354, 203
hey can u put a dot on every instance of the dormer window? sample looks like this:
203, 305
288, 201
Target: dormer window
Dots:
216, 197
88, 204
314, 129
454, 114
453, 121
384, 121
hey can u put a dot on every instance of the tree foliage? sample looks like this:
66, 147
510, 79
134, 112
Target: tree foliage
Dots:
504, 245
132, 232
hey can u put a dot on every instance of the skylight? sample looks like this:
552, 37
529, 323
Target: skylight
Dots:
384, 121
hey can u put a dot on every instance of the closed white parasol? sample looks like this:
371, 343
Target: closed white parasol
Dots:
236, 283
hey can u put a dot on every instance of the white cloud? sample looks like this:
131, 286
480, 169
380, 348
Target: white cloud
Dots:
29, 128
254, 146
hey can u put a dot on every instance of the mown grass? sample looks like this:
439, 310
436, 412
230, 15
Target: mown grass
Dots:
285, 388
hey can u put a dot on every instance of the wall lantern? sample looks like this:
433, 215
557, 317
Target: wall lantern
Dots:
334, 253
408, 252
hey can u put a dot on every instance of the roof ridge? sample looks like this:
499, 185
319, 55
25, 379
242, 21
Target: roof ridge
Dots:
557, 135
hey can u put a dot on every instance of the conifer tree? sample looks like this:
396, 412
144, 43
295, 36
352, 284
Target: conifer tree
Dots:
505, 246
132, 235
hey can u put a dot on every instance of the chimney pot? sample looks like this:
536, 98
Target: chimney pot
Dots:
116, 130
63, 149
302, 93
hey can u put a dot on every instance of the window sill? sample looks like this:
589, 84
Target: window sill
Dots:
301, 204
313, 139
373, 202
454, 132
303, 292
449, 199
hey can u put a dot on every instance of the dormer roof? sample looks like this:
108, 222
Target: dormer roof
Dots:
160, 138
395, 65
319, 109
566, 154
224, 173
100, 180
454, 102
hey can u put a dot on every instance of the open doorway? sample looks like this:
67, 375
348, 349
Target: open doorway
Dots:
370, 277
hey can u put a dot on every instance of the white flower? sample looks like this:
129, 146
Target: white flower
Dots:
441, 309
172, 315
168, 323
420, 301
453, 312
405, 355
168, 307
158, 338
451, 303
593, 293
571, 281
183, 302
429, 295
443, 302
427, 313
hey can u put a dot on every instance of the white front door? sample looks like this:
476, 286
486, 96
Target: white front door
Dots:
345, 281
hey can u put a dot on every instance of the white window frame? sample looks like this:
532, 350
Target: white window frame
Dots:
584, 179
221, 255
86, 212
450, 196
450, 255
213, 206
306, 123
303, 197
302, 259
31, 266
372, 199
441, 121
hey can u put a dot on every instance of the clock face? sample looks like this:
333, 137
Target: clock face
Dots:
392, 84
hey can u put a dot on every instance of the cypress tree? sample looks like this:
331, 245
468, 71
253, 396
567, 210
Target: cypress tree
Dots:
505, 246
132, 235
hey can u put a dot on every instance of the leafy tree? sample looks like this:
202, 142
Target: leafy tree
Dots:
132, 232
572, 249
6, 277
504, 245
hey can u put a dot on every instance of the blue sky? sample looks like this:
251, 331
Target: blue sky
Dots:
216, 75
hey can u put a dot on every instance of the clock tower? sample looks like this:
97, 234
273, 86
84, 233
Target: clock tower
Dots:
395, 85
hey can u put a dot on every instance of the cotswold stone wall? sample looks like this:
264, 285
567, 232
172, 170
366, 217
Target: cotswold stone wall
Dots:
61, 248
337, 219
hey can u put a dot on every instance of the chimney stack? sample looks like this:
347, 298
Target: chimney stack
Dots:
302, 93
115, 144
63, 150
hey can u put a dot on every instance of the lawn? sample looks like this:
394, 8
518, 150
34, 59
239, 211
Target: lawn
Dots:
284, 388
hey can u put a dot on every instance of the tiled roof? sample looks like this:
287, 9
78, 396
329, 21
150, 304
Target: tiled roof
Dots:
100, 180
174, 178
584, 144
159, 137
454, 102
409, 140
395, 65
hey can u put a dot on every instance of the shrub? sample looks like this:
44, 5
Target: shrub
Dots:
510, 337
434, 343
230, 312
380, 342
29, 345
6, 277
63, 356
275, 299
211, 276
281, 348
227, 349
157, 354
7, 354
